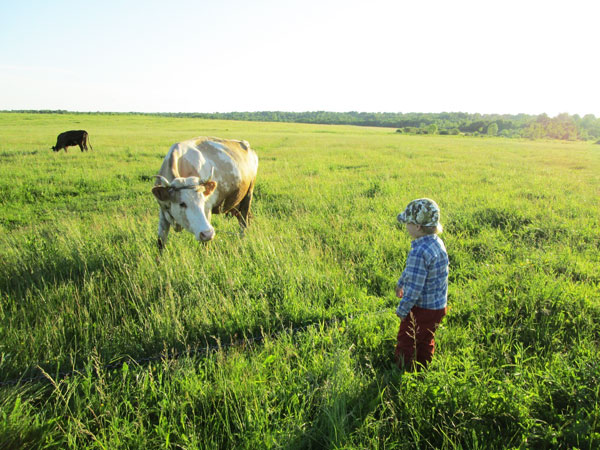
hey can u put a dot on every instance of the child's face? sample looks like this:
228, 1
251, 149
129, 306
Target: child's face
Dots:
414, 230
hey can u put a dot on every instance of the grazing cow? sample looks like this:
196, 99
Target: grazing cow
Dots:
201, 176
71, 138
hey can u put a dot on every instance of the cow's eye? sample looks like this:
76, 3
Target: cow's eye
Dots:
183, 205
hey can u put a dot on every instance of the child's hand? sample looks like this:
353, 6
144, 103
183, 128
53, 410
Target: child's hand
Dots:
399, 292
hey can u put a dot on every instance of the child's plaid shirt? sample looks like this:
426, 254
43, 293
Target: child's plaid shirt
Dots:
425, 278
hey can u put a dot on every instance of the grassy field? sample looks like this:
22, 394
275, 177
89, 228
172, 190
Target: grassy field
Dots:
119, 349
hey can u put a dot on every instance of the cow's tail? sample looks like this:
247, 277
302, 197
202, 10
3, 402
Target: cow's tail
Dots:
89, 142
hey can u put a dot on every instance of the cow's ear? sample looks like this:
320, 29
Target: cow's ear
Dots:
209, 187
161, 193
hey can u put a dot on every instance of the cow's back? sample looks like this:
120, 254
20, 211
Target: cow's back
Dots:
239, 152
72, 135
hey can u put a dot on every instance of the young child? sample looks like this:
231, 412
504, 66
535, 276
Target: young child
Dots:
423, 286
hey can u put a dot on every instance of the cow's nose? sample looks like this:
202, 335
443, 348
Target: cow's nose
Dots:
207, 235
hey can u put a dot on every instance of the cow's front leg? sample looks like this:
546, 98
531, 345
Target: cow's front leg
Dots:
163, 230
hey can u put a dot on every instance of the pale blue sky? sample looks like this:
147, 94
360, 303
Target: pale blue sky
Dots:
514, 56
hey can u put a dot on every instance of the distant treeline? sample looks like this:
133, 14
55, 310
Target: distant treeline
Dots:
563, 126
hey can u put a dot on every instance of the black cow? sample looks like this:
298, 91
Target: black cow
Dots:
71, 138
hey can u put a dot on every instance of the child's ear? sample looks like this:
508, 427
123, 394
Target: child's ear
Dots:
209, 187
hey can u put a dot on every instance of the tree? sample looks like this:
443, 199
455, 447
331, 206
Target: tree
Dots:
492, 129
592, 125
432, 129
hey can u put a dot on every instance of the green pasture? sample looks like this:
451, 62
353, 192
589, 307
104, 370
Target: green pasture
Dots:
106, 345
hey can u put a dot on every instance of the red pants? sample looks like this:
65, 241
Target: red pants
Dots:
415, 337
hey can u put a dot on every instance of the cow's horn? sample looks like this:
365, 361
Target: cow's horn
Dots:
163, 180
212, 172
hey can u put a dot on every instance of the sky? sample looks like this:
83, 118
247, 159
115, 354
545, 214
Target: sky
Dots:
489, 57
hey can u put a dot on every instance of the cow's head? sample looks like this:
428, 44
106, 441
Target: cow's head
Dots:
184, 201
54, 148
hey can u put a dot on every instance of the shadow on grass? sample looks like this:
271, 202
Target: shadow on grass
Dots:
50, 266
363, 418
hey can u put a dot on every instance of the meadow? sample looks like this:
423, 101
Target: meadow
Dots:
284, 338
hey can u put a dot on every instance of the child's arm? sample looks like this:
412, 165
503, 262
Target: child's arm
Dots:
400, 286
413, 279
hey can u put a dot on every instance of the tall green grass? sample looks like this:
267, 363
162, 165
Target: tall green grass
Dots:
83, 291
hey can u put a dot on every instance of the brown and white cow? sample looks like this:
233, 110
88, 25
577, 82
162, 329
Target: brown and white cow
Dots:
201, 176
71, 138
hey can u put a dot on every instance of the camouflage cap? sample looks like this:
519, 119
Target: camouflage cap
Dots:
422, 211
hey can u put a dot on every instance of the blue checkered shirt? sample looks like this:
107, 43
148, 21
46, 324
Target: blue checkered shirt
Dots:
425, 278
